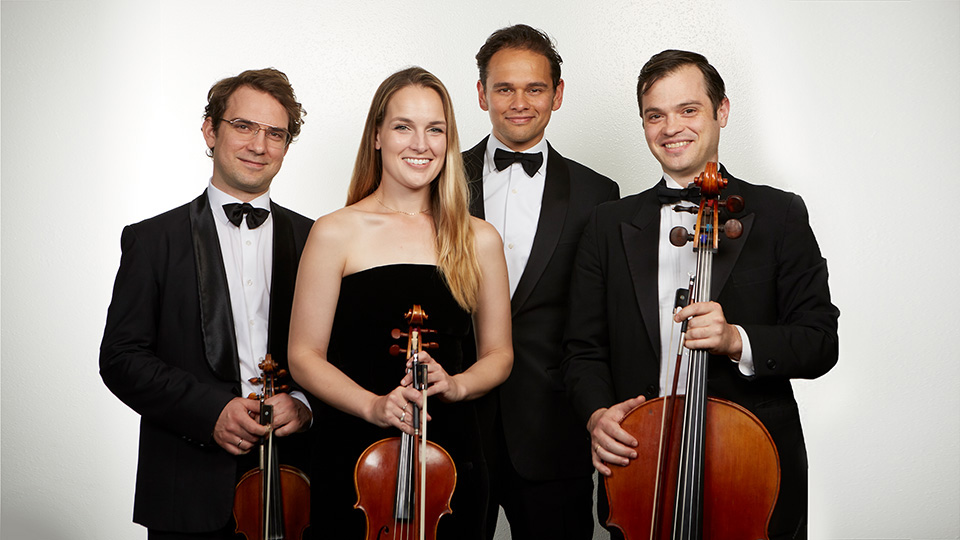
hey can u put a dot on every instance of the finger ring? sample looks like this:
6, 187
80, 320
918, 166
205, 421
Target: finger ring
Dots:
597, 450
402, 416
239, 443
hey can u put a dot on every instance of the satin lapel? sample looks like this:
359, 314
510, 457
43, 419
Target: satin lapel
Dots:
729, 250
641, 247
216, 316
473, 167
283, 281
553, 212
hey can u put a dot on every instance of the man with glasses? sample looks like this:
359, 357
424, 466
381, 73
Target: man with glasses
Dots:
202, 295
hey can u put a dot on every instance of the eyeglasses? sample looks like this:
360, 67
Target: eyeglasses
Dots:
247, 129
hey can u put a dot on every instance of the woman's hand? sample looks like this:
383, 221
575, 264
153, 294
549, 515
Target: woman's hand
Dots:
395, 409
439, 383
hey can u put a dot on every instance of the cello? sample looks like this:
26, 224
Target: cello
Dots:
272, 502
706, 468
392, 475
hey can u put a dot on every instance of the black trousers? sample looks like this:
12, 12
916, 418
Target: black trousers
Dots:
555, 509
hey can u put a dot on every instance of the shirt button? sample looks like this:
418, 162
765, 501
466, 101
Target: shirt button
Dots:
248, 242
509, 246
514, 191
251, 322
249, 282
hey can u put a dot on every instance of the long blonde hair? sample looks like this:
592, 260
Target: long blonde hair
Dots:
449, 204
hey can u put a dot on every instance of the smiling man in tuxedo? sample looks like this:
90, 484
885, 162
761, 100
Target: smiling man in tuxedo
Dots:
769, 320
202, 295
538, 200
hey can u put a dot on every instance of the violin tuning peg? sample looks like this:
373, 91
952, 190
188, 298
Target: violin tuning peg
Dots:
395, 350
679, 236
281, 374
252, 395
397, 334
429, 345
734, 204
283, 388
255, 380
732, 229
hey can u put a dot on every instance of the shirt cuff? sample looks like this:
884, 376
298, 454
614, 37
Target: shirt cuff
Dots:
299, 396
746, 354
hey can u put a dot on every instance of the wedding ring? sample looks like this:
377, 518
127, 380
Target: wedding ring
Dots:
239, 443
597, 450
402, 416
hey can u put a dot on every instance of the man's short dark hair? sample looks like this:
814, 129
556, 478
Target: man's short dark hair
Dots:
523, 37
662, 64
269, 80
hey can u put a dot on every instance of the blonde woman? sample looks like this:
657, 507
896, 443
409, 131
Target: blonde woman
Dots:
405, 237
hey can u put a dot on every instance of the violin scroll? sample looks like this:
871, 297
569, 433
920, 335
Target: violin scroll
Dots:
710, 182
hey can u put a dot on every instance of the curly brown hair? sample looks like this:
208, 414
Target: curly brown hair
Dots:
269, 80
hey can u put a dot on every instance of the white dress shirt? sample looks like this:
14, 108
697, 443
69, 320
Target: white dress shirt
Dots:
248, 262
675, 267
511, 203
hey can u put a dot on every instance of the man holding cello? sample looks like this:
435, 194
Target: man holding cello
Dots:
769, 320
203, 294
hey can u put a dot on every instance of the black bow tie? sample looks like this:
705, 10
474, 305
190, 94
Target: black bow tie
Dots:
673, 196
530, 162
255, 216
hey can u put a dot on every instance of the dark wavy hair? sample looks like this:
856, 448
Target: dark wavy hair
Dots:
523, 37
269, 80
664, 63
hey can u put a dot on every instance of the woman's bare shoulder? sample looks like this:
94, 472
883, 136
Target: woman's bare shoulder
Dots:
486, 235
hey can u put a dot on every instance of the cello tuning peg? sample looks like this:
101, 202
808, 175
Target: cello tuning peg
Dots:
734, 204
679, 236
283, 388
687, 209
397, 334
281, 374
395, 350
732, 229
255, 380
429, 345
252, 395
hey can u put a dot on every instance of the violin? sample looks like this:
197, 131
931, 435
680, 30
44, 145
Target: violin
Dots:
706, 468
393, 475
272, 502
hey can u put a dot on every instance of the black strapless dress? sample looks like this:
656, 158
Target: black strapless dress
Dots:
372, 303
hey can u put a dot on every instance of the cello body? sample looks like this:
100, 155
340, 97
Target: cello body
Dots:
737, 501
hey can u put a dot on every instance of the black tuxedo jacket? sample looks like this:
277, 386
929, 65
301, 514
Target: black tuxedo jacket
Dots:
543, 439
772, 281
169, 352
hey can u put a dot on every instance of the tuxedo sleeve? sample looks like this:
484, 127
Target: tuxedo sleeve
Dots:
148, 375
803, 342
586, 364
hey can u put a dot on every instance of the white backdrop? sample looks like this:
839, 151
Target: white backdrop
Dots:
854, 105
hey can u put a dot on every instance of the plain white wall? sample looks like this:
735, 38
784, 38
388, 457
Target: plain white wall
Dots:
854, 105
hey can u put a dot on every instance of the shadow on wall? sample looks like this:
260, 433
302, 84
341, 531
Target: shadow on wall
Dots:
34, 527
